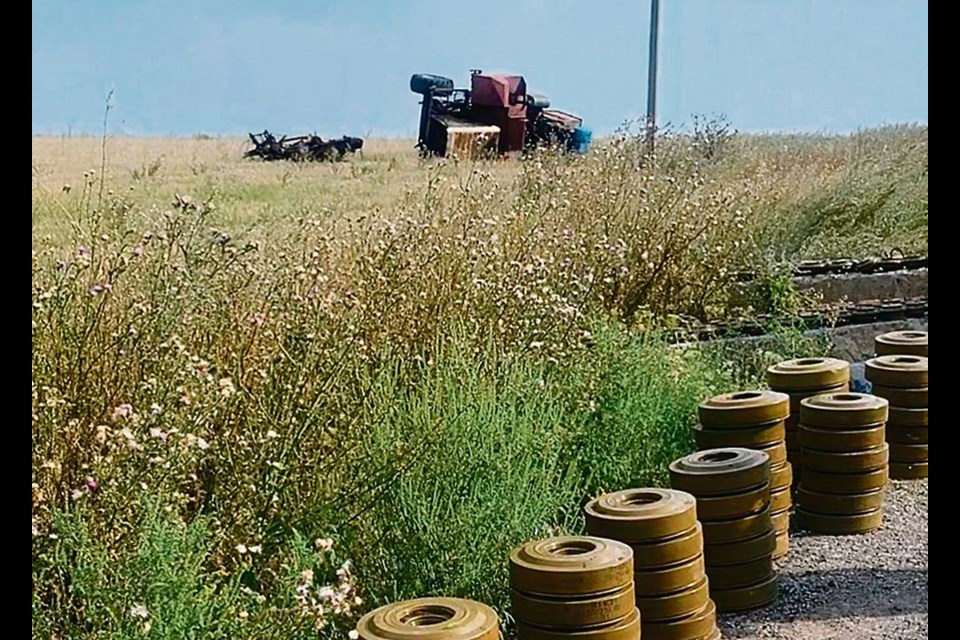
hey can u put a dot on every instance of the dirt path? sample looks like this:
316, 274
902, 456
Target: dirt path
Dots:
866, 587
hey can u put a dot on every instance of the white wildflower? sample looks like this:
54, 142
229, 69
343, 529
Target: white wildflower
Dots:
139, 611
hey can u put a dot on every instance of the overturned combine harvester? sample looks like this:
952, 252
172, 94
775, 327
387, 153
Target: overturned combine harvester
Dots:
495, 116
301, 148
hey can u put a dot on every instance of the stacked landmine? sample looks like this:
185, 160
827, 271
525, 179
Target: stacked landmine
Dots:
574, 587
732, 489
430, 619
901, 343
802, 378
754, 420
902, 380
660, 526
844, 457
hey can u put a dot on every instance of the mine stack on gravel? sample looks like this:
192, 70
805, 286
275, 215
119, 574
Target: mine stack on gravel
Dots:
732, 490
670, 580
754, 419
844, 457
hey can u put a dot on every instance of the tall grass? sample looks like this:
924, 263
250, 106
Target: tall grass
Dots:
263, 428
438, 480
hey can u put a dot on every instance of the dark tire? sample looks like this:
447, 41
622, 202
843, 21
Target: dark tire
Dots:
422, 83
538, 100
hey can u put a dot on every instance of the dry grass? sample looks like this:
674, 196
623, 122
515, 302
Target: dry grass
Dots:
788, 173
148, 172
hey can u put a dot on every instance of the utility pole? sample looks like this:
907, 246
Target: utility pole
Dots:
652, 74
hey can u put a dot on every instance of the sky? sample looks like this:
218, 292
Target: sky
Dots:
342, 67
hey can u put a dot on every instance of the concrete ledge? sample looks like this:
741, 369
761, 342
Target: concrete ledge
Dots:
852, 287
856, 287
855, 343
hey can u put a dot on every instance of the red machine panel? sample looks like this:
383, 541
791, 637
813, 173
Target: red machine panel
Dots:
500, 91
501, 100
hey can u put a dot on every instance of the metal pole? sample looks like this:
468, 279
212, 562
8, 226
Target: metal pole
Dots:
652, 73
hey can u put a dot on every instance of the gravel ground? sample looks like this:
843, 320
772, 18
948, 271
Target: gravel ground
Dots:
871, 586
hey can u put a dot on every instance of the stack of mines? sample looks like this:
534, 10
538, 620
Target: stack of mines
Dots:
574, 587
844, 459
902, 380
661, 527
754, 420
803, 378
430, 619
732, 489
901, 343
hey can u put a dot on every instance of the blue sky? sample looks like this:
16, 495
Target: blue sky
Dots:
335, 67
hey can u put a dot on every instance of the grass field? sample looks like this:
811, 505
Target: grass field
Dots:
267, 397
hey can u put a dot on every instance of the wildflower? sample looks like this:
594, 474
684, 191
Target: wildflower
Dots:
241, 548
323, 544
83, 251
271, 434
353, 634
124, 410
90, 484
139, 611
138, 251
243, 615
255, 548
226, 387
327, 593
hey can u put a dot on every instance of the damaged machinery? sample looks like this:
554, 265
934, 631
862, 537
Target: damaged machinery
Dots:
496, 115
301, 148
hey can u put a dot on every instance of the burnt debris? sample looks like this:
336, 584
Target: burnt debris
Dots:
311, 148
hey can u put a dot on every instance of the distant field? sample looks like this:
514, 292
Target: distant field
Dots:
147, 172
854, 194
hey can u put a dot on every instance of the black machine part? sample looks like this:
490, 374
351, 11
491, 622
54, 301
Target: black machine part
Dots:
538, 101
425, 84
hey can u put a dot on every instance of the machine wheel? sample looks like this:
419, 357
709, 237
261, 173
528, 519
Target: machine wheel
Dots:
422, 83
